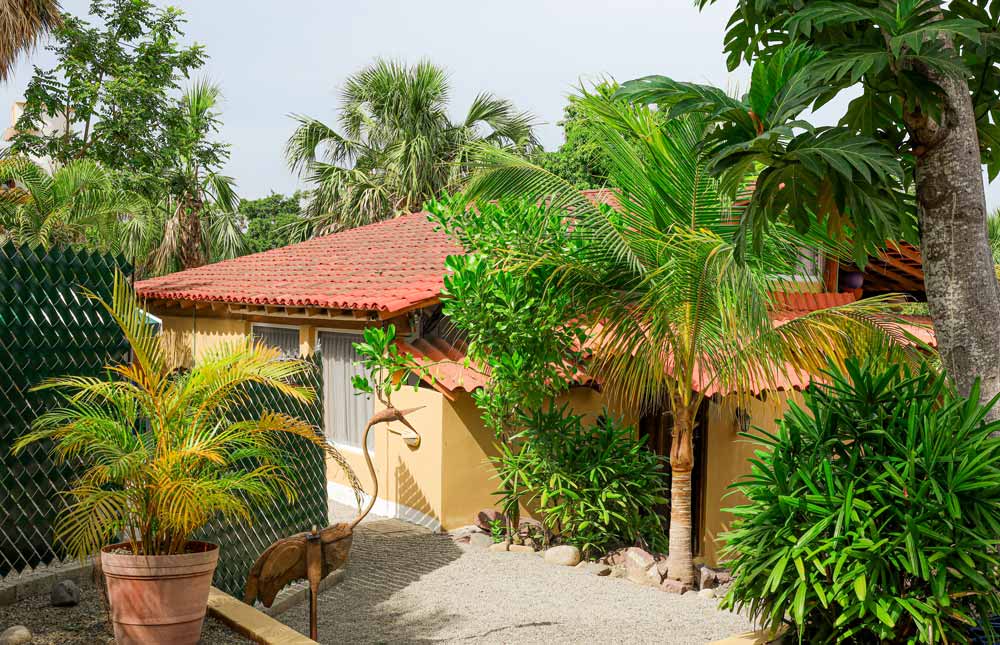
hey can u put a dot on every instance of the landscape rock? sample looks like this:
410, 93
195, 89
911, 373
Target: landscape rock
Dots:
619, 572
464, 532
614, 558
16, 635
707, 578
723, 576
636, 558
488, 515
500, 546
707, 593
595, 568
64, 593
520, 548
480, 540
565, 555
528, 526
674, 586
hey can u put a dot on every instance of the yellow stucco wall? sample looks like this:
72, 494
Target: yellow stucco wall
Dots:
187, 338
727, 460
407, 476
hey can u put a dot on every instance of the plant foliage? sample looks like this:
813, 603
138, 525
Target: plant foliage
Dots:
873, 512
395, 144
595, 485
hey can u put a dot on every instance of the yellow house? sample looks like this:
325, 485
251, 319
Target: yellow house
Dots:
322, 293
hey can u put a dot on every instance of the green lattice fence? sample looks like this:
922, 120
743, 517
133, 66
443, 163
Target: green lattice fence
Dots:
239, 543
46, 329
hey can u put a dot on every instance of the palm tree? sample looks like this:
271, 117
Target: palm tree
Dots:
396, 146
22, 23
79, 204
197, 220
677, 312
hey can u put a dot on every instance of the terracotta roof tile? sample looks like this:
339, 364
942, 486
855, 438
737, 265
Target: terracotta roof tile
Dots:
388, 266
450, 372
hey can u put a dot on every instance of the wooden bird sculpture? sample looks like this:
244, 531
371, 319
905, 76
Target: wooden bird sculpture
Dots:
315, 554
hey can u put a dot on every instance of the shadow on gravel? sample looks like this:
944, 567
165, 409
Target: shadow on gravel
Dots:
386, 557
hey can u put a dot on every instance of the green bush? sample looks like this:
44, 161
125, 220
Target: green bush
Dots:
874, 513
595, 485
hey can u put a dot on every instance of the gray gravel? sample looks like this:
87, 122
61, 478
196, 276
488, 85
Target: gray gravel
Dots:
405, 585
86, 623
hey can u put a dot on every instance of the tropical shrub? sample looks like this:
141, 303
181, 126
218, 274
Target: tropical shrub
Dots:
594, 485
873, 513
160, 456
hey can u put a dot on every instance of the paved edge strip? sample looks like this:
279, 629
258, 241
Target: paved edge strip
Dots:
255, 625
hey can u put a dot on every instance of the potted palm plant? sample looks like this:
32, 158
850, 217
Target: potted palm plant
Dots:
161, 456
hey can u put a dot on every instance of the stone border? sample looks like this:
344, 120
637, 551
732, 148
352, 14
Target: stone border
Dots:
40, 581
254, 624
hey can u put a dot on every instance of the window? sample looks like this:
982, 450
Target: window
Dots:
284, 338
345, 413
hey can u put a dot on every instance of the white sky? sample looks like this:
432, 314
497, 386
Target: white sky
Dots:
277, 58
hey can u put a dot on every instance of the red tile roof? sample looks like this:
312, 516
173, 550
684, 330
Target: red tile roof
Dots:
449, 372
388, 266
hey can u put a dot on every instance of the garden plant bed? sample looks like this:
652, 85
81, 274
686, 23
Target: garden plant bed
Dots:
86, 623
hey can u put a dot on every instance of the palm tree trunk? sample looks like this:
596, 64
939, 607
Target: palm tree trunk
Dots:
189, 248
962, 289
680, 554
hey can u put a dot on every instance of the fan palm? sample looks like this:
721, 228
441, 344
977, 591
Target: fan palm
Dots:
78, 203
396, 146
186, 239
161, 454
677, 314
22, 23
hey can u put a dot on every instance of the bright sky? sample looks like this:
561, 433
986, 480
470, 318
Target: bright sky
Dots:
277, 58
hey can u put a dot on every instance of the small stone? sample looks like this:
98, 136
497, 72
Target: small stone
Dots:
565, 555
706, 578
16, 635
480, 541
674, 586
707, 593
486, 517
500, 546
64, 593
595, 568
520, 548
464, 532
723, 576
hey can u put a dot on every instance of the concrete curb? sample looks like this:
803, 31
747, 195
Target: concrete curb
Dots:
254, 624
19, 587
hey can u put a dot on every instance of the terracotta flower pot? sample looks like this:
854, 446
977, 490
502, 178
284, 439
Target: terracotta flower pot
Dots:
159, 598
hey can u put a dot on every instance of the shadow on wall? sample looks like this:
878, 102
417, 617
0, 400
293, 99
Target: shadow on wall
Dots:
408, 493
176, 348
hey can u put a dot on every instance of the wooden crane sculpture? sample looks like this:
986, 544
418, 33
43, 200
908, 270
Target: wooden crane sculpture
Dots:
318, 553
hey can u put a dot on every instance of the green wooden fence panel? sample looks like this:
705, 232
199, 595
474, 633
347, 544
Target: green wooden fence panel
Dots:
48, 329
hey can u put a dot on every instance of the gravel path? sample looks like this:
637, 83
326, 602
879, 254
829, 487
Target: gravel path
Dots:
407, 585
87, 623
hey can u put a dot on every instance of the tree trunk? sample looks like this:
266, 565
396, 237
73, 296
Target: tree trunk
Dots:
189, 246
962, 290
680, 555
